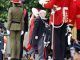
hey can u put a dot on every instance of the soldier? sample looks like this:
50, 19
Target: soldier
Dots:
58, 20
74, 19
74, 16
15, 25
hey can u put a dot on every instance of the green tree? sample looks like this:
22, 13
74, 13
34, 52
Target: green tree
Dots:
5, 4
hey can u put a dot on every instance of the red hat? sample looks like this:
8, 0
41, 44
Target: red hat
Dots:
16, 1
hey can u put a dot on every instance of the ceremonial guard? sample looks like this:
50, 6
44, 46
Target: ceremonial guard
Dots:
15, 25
74, 20
58, 20
74, 17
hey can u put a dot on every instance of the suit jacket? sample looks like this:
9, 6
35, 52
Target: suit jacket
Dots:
15, 18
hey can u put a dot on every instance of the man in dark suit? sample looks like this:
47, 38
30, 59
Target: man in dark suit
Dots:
37, 38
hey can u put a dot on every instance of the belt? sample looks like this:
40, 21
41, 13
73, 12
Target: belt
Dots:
78, 16
15, 22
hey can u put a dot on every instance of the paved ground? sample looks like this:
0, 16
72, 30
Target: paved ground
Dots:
76, 56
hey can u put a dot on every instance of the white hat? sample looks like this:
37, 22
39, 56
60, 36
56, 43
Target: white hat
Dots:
35, 12
43, 1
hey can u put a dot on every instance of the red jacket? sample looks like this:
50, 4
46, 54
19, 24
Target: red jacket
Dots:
58, 16
74, 13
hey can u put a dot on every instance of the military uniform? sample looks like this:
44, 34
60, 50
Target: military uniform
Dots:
74, 16
59, 26
15, 25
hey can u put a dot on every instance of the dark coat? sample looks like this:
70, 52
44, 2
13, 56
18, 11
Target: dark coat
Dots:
1, 41
25, 20
38, 30
2, 26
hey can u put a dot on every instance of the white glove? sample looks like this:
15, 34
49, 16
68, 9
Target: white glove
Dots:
36, 37
43, 2
46, 44
26, 32
58, 8
9, 58
3, 51
22, 32
8, 32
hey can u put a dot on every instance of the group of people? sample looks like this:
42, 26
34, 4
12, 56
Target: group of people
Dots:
64, 13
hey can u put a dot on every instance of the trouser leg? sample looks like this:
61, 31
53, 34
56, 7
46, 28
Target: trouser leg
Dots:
56, 45
18, 44
1, 55
41, 48
21, 46
12, 44
59, 43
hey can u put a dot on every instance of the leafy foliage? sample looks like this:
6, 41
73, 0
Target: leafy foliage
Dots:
5, 4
